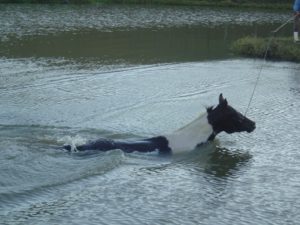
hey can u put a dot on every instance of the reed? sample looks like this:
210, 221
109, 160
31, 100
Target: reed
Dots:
280, 48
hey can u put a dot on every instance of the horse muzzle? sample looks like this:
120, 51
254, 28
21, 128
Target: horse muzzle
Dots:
251, 127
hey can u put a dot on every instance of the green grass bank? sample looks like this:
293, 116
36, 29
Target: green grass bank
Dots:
265, 4
280, 48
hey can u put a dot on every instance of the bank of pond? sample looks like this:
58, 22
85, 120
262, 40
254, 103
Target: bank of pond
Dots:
280, 48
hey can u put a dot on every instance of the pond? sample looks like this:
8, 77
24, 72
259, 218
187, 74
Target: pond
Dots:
69, 74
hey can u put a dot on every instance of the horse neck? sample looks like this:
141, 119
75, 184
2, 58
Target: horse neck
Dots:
191, 135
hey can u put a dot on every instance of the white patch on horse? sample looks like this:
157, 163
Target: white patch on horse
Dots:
189, 136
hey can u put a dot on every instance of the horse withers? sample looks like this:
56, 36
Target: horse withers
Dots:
223, 117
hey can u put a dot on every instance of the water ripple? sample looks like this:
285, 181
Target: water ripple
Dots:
255, 173
42, 19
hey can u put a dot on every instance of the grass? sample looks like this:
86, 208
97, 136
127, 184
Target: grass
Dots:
280, 48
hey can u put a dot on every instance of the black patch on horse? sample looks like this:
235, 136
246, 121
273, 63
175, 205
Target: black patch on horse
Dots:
159, 143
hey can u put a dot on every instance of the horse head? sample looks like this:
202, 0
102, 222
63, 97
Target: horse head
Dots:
223, 117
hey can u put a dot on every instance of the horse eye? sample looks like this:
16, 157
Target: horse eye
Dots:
241, 119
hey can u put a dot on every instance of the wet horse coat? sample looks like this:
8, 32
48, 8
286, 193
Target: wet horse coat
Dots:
216, 119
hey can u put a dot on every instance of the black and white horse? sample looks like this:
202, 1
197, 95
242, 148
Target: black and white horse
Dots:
203, 129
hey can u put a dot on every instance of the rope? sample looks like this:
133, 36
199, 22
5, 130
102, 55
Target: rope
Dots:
281, 26
265, 59
259, 73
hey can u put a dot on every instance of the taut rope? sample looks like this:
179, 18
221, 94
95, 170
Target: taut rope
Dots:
265, 59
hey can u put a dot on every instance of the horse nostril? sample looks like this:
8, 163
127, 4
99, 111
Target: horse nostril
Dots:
251, 126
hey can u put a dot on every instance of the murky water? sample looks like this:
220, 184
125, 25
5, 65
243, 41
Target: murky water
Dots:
74, 73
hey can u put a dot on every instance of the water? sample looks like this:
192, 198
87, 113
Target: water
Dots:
69, 74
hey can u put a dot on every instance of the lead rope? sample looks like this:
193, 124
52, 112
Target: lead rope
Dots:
259, 73
265, 60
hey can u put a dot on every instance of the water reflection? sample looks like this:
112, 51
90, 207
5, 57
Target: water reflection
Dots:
144, 45
223, 162
215, 160
295, 80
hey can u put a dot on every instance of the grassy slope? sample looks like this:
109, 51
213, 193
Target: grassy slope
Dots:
280, 48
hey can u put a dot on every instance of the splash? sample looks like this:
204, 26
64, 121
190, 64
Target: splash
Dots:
73, 141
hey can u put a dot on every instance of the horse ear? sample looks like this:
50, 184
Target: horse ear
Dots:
209, 109
222, 101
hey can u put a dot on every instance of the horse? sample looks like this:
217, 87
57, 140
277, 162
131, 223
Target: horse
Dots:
222, 118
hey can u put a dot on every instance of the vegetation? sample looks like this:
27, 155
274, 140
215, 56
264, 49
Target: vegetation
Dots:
279, 49
280, 4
